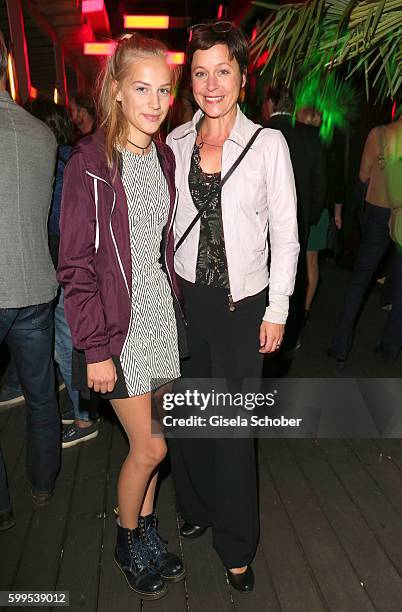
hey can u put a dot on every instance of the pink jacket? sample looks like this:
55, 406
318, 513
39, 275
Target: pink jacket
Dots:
258, 212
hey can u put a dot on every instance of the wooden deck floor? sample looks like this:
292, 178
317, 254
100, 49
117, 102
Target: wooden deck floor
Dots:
331, 529
331, 511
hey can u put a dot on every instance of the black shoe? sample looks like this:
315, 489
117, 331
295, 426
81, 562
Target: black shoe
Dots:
7, 520
187, 530
168, 565
134, 560
41, 498
306, 318
331, 353
241, 582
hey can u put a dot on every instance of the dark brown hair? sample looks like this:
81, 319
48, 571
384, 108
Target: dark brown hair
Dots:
204, 37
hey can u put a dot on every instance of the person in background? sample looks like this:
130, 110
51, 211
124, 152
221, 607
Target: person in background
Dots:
332, 204
223, 262
381, 169
310, 169
28, 285
83, 114
80, 428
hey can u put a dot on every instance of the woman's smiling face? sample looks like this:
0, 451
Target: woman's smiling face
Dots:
216, 80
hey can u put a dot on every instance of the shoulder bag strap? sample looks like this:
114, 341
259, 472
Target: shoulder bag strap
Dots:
221, 184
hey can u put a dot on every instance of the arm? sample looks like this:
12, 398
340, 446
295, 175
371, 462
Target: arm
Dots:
370, 154
284, 242
76, 272
283, 232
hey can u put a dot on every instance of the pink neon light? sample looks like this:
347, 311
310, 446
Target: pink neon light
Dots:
176, 57
99, 48
393, 112
92, 6
220, 11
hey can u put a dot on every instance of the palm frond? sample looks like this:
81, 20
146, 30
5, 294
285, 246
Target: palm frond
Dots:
365, 36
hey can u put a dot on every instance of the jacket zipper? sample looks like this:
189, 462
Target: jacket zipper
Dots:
111, 230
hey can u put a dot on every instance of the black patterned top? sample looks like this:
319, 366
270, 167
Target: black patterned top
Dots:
211, 262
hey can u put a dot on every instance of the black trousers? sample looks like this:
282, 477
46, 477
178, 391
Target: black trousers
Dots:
215, 479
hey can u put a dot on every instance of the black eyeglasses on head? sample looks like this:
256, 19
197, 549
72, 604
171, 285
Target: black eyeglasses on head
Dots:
219, 27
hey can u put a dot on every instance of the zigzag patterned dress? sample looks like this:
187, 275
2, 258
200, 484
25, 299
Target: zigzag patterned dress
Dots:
150, 355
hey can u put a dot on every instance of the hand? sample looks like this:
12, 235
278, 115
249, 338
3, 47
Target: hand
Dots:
271, 335
338, 216
102, 376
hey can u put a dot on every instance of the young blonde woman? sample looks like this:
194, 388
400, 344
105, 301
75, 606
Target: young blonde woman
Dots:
121, 290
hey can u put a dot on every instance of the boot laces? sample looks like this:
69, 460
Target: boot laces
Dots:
140, 555
153, 540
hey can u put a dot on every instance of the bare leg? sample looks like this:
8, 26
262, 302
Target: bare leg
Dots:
148, 504
146, 452
313, 275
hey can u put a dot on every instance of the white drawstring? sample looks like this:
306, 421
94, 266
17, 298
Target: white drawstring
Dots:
96, 213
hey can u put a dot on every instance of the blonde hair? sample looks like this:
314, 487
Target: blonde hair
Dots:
129, 48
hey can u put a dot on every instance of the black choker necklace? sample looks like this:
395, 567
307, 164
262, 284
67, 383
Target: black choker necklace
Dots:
138, 147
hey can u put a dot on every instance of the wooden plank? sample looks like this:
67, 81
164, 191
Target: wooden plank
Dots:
37, 529
82, 543
384, 471
380, 515
206, 584
334, 573
392, 449
13, 541
169, 530
377, 575
263, 597
292, 576
114, 593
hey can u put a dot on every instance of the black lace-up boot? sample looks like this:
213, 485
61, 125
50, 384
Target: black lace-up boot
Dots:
135, 562
169, 566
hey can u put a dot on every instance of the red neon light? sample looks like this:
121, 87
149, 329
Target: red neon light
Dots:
220, 11
393, 112
92, 6
99, 48
262, 59
147, 22
176, 58
254, 35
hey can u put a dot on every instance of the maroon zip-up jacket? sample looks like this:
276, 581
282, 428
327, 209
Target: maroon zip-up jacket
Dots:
95, 259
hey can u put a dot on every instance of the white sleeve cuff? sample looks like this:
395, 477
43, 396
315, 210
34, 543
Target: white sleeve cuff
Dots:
277, 311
